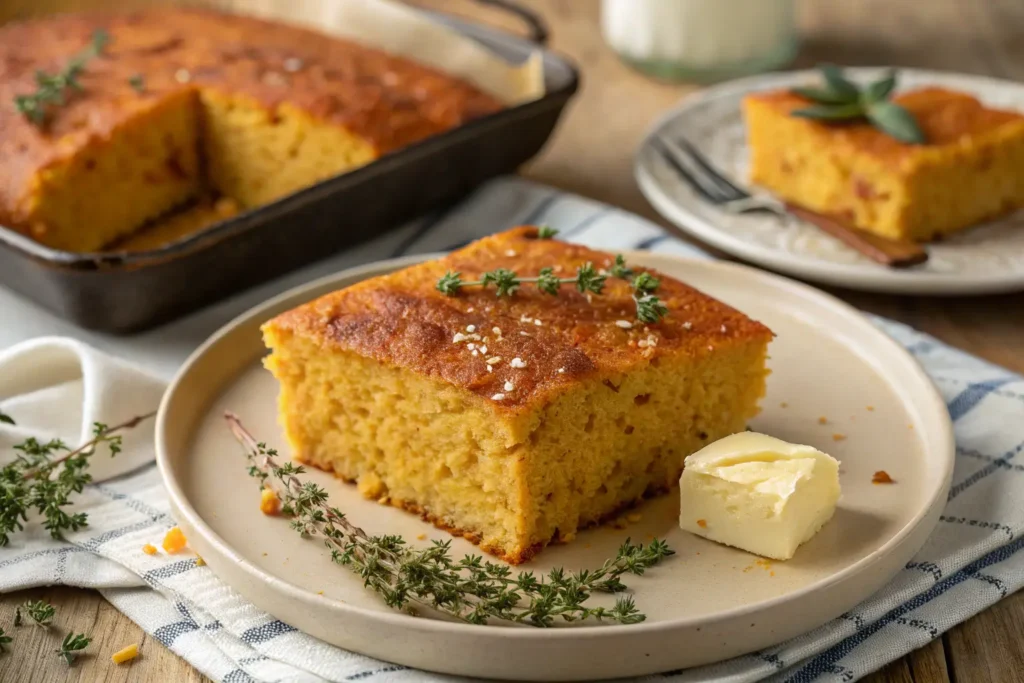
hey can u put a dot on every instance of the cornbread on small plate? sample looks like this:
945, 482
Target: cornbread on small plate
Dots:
970, 170
511, 421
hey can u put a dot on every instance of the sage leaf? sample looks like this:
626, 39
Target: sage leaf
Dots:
895, 121
881, 89
824, 96
831, 112
837, 82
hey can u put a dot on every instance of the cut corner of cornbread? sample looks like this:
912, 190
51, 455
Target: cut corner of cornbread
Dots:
144, 166
185, 101
513, 421
970, 169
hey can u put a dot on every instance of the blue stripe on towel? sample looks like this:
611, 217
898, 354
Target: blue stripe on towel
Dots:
824, 662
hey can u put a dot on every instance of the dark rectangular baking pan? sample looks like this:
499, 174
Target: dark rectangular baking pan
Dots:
123, 293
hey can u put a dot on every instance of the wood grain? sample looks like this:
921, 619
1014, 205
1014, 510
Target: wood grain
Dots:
591, 154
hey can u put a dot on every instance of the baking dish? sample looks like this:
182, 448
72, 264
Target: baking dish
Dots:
128, 292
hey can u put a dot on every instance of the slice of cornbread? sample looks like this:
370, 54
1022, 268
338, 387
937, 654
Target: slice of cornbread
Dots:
182, 101
512, 421
970, 170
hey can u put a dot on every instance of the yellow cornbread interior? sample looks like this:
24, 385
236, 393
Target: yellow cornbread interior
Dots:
511, 481
149, 165
932, 192
257, 155
152, 165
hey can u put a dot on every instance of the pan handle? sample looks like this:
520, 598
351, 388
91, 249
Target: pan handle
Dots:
537, 30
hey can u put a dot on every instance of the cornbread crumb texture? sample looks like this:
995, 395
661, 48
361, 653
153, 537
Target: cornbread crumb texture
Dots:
174, 541
380, 385
125, 654
270, 504
758, 493
970, 170
271, 108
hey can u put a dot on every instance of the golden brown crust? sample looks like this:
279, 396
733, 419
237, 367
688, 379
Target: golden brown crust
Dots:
387, 100
945, 117
401, 319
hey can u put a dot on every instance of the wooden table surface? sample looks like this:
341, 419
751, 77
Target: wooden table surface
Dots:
591, 154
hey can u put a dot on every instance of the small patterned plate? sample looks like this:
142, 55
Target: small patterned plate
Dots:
984, 260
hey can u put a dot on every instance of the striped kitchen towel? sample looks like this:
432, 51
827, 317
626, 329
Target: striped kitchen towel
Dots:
971, 561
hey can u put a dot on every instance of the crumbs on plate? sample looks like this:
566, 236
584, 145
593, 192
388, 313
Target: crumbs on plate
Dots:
882, 477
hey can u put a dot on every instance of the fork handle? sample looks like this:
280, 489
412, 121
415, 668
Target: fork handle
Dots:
888, 252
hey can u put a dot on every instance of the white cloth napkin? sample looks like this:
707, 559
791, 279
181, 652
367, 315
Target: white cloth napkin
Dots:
58, 387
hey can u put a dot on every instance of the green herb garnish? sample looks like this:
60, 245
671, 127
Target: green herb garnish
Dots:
52, 88
72, 645
546, 232
649, 308
469, 589
39, 611
5, 640
138, 83
35, 480
842, 100
5, 418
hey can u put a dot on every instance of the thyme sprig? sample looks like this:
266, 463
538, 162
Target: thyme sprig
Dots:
72, 645
51, 89
649, 308
5, 640
39, 611
470, 589
36, 479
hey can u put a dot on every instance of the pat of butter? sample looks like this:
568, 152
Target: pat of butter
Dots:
758, 493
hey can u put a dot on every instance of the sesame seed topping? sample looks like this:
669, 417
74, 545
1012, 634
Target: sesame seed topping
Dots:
490, 369
459, 337
710, 347
525, 319
470, 328
537, 322
182, 76
494, 360
510, 252
687, 325
498, 397
470, 309
476, 353
523, 334
561, 371
470, 346
624, 324
292, 64
517, 362
483, 349
723, 329
496, 330
509, 386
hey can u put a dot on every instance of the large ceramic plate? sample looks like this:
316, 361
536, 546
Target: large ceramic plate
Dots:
984, 260
706, 603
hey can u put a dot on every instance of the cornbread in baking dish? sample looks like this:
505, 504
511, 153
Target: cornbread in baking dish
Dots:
513, 421
183, 101
971, 168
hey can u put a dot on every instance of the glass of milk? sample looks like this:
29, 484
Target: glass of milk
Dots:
701, 40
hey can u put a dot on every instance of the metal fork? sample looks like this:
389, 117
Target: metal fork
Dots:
693, 167
710, 184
